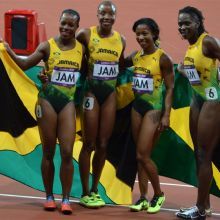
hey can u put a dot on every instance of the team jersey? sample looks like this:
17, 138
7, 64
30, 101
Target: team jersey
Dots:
104, 54
202, 71
62, 67
147, 78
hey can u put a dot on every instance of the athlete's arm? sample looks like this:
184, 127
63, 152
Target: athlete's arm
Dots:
211, 47
166, 67
84, 66
122, 58
41, 53
129, 59
83, 36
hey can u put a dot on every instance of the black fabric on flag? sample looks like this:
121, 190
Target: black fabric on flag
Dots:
14, 116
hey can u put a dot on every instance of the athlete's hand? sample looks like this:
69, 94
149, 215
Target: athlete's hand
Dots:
180, 69
42, 76
164, 123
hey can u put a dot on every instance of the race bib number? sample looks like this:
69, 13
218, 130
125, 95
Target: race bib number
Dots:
192, 74
88, 103
211, 93
105, 70
142, 83
64, 76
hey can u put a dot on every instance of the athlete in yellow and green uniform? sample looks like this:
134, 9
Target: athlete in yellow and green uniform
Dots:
152, 68
105, 49
55, 110
201, 69
147, 82
62, 70
103, 63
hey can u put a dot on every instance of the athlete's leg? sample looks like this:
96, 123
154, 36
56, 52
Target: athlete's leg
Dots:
193, 122
47, 122
106, 124
145, 144
90, 131
208, 138
66, 135
136, 120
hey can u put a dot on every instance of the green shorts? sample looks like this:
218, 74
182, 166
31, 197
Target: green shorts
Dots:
142, 106
211, 94
100, 89
55, 97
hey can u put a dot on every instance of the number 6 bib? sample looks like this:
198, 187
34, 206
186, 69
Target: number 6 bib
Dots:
211, 93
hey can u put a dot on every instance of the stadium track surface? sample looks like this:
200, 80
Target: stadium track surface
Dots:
19, 202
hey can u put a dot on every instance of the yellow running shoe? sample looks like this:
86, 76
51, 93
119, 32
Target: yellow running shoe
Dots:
141, 204
156, 204
97, 199
88, 202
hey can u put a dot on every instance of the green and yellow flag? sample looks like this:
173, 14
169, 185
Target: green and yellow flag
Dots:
174, 151
21, 150
20, 145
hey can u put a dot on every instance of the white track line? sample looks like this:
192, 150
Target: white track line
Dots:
173, 184
77, 201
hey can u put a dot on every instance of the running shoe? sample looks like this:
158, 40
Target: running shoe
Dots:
192, 213
208, 211
66, 207
85, 201
88, 202
97, 199
156, 204
50, 204
141, 204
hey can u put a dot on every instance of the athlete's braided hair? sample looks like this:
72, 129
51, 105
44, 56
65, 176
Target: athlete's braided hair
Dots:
153, 26
196, 14
71, 12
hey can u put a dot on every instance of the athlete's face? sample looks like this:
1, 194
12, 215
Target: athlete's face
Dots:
106, 16
68, 26
144, 36
188, 26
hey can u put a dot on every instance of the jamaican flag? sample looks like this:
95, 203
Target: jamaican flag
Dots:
174, 151
20, 145
21, 150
